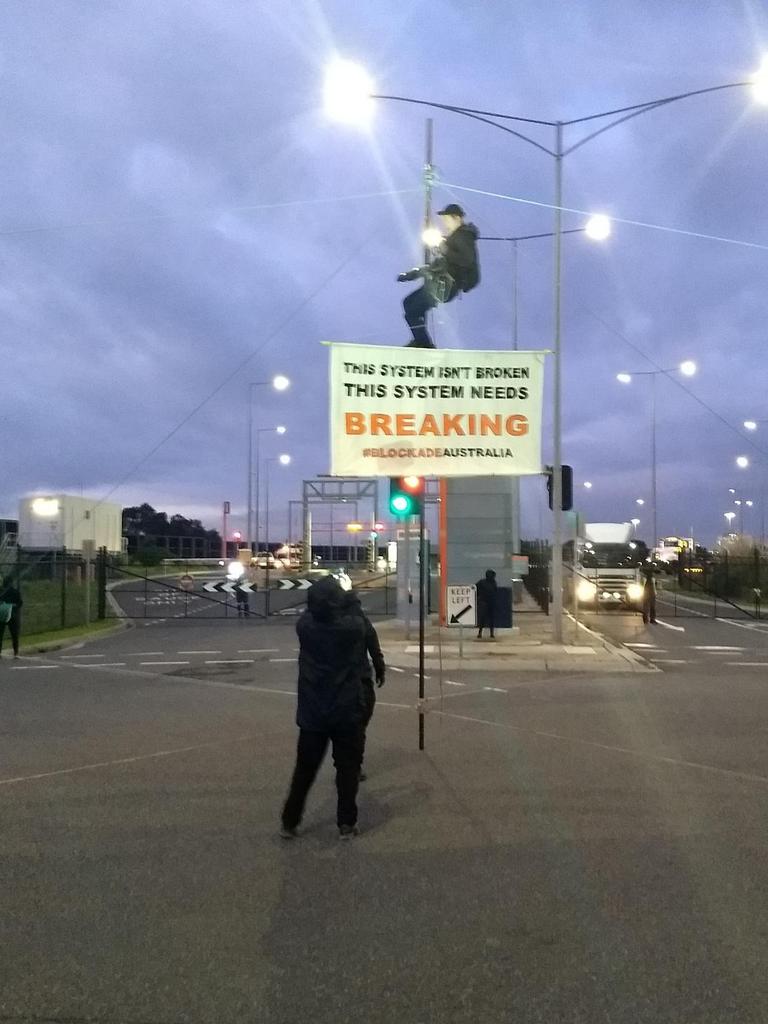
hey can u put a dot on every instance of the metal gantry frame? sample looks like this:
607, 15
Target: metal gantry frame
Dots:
333, 491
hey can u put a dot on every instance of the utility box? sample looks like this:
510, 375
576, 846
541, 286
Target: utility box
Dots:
51, 522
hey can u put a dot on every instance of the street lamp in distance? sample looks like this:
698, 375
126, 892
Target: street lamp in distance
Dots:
742, 461
588, 484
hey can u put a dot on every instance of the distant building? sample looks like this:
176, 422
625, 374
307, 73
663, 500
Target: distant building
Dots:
52, 522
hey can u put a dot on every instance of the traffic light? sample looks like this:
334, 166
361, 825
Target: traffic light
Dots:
406, 495
567, 487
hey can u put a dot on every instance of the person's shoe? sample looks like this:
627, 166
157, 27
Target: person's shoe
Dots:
288, 833
347, 831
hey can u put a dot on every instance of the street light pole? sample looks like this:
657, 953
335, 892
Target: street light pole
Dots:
655, 538
557, 459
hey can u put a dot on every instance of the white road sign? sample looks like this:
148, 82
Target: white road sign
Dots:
461, 605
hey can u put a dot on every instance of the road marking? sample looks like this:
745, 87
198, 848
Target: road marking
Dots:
163, 662
715, 648
80, 656
414, 649
669, 661
668, 625
282, 659
122, 760
231, 661
649, 646
19, 668
198, 652
143, 654
394, 668
450, 682
260, 650
753, 664
416, 676
753, 626
102, 664
494, 689
577, 741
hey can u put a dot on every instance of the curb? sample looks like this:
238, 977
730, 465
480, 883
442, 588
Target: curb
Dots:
74, 641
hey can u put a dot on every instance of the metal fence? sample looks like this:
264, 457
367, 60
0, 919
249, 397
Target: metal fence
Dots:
55, 588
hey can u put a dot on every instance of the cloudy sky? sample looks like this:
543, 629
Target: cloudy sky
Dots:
178, 219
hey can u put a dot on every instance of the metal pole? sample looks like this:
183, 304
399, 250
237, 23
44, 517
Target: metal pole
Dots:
422, 620
655, 538
407, 524
224, 531
557, 461
266, 534
249, 527
331, 508
258, 479
307, 535
515, 479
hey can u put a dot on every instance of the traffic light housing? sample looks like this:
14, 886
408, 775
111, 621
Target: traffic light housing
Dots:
567, 487
406, 495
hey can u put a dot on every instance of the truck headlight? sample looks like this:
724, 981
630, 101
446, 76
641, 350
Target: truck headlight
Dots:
586, 591
635, 591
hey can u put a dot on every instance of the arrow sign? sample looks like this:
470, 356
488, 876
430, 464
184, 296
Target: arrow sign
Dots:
294, 584
456, 617
229, 587
461, 605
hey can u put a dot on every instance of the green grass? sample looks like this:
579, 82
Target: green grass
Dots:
72, 633
43, 610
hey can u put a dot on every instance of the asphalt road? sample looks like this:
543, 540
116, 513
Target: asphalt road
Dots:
564, 850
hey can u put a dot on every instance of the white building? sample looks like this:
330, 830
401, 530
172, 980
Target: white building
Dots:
51, 522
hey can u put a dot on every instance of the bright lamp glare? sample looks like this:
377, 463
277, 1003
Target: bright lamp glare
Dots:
347, 93
45, 507
750, 424
688, 368
280, 382
284, 460
624, 378
640, 501
432, 237
235, 570
742, 461
598, 227
760, 82
588, 484
280, 430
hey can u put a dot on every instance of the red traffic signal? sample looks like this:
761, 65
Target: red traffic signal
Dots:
406, 495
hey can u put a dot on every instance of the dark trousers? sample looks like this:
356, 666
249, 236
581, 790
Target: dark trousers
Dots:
416, 306
649, 605
485, 619
347, 755
369, 697
13, 629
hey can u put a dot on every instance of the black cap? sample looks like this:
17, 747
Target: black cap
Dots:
451, 210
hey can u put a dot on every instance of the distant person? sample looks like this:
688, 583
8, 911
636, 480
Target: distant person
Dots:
243, 603
486, 603
10, 613
331, 707
455, 269
649, 573
372, 648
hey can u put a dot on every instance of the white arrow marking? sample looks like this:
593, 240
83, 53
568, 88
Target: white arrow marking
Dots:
668, 625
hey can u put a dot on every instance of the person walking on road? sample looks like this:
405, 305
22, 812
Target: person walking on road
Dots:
649, 573
372, 648
486, 603
10, 613
331, 707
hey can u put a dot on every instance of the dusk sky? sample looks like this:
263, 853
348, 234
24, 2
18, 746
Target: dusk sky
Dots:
178, 218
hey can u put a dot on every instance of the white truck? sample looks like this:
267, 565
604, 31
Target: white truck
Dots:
607, 566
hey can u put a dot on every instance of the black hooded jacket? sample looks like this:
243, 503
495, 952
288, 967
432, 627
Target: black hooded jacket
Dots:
458, 255
372, 645
331, 652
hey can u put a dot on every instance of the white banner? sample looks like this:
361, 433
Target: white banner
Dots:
435, 412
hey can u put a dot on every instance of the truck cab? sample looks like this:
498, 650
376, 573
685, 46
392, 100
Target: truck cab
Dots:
607, 566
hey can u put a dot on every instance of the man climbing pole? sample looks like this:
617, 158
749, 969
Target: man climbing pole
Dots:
455, 269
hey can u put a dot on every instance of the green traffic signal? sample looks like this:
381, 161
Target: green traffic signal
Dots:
406, 495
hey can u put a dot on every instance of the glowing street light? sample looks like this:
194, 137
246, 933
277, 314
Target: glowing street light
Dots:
588, 484
742, 461
432, 237
280, 430
348, 92
280, 382
750, 424
687, 368
284, 460
624, 378
760, 82
640, 501
730, 516
598, 227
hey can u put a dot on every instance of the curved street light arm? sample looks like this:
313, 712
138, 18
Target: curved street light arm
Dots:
475, 116
640, 107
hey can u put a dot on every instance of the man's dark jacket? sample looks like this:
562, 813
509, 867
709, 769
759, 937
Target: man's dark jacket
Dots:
458, 255
331, 652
